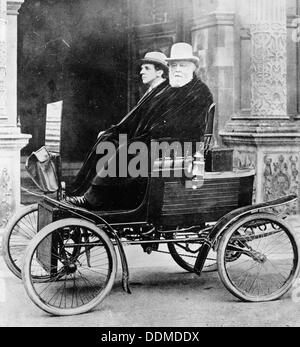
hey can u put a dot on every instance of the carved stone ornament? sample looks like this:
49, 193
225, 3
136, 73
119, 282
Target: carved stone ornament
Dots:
244, 160
5, 197
281, 178
268, 34
268, 70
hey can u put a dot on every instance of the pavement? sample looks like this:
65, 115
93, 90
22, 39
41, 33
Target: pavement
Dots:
163, 295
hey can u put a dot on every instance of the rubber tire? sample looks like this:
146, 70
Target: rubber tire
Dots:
7, 237
46, 231
221, 257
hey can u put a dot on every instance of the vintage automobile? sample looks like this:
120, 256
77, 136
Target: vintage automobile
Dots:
67, 256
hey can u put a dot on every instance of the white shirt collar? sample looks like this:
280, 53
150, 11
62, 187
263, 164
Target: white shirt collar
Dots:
155, 84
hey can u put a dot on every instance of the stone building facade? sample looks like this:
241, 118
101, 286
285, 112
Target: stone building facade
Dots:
249, 57
11, 139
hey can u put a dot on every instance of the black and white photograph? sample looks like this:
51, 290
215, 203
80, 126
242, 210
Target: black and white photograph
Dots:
149, 166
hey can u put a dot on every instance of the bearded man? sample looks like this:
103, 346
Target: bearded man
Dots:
176, 111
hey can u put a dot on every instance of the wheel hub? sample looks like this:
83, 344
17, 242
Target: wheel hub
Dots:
71, 268
259, 257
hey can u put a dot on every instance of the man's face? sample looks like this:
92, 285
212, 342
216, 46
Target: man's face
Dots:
149, 73
181, 73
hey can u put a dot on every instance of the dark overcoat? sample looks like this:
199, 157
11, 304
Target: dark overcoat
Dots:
166, 112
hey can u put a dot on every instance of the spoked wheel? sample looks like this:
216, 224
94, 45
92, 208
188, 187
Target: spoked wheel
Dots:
78, 263
185, 255
19, 232
258, 258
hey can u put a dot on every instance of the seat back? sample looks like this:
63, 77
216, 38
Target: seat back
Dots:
53, 127
209, 130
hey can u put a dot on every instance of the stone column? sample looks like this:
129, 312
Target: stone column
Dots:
11, 140
268, 32
213, 39
3, 60
266, 139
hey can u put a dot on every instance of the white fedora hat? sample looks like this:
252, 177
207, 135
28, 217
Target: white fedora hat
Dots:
182, 51
155, 58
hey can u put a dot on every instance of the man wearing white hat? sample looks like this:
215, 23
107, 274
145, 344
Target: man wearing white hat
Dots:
176, 110
154, 70
185, 101
182, 64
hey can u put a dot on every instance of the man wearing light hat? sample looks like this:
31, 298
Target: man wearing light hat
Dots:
182, 64
181, 111
154, 70
174, 110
